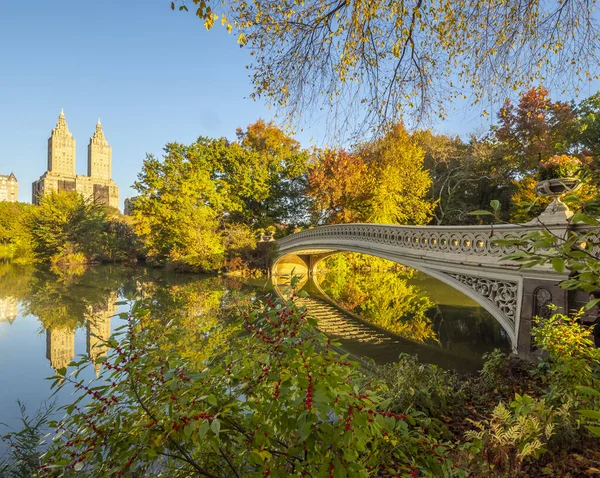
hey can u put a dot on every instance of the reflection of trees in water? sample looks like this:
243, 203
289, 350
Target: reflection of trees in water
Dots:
193, 310
469, 327
381, 296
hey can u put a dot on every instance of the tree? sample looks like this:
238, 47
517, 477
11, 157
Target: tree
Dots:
177, 212
280, 168
15, 241
588, 128
400, 183
339, 185
383, 181
66, 228
535, 129
374, 61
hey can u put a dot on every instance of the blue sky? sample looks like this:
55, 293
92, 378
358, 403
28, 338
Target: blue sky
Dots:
150, 74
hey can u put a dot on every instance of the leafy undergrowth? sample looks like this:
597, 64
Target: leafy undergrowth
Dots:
279, 401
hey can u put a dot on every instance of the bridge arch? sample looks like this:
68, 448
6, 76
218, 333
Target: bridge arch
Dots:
510, 291
464, 257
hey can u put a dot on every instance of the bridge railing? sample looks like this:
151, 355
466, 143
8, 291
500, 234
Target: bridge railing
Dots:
474, 244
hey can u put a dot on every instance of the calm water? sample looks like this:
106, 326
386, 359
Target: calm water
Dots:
47, 319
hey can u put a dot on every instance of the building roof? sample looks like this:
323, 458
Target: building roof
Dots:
10, 177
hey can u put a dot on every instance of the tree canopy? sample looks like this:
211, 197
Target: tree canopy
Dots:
371, 62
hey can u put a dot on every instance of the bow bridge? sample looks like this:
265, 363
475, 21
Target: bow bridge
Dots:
463, 257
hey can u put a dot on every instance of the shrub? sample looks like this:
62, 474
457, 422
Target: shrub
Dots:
412, 385
501, 443
279, 402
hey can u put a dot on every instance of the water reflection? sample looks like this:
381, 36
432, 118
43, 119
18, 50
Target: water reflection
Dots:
70, 313
379, 309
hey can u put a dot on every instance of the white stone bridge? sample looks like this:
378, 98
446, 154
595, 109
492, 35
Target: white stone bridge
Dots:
463, 257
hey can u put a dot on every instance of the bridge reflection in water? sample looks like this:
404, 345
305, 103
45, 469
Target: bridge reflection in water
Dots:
465, 330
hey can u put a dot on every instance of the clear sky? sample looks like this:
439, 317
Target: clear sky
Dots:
150, 74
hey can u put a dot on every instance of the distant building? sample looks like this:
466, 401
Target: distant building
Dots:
9, 188
129, 205
60, 176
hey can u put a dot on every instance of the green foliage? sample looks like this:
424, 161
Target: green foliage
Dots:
66, 227
560, 166
26, 445
15, 241
501, 443
279, 403
575, 251
573, 357
192, 201
412, 385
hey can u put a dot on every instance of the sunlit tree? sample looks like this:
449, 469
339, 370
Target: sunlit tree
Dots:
370, 62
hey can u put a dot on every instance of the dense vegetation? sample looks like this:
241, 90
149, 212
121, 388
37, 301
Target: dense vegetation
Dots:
202, 207
250, 388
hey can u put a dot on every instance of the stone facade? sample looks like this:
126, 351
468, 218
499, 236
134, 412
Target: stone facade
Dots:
129, 205
9, 188
60, 176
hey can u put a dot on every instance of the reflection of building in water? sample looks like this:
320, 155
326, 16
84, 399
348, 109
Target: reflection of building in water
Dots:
98, 327
8, 309
60, 347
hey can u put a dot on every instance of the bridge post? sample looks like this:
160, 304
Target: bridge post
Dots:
538, 294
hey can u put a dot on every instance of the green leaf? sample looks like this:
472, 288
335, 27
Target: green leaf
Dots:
203, 429
495, 204
212, 400
593, 414
591, 304
304, 431
558, 264
584, 218
481, 212
215, 426
588, 391
594, 430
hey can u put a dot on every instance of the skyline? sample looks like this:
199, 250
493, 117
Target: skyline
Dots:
152, 75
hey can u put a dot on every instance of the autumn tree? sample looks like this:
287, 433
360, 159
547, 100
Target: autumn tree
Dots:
15, 241
588, 128
340, 187
278, 166
382, 181
202, 203
372, 62
400, 184
66, 228
535, 129
177, 211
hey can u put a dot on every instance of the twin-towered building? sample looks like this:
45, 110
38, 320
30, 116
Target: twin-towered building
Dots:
60, 176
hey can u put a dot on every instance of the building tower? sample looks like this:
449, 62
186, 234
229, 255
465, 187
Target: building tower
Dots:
61, 149
99, 155
9, 188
